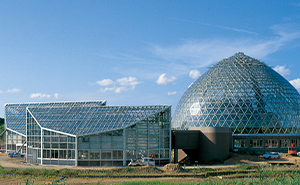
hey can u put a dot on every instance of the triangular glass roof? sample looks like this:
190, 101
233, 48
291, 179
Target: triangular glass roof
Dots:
15, 113
91, 120
247, 93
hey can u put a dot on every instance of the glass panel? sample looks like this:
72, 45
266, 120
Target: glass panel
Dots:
118, 154
63, 145
83, 154
243, 93
105, 154
284, 143
240, 143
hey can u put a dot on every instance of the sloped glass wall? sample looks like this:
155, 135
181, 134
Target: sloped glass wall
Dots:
55, 148
33, 141
147, 138
104, 149
14, 141
150, 138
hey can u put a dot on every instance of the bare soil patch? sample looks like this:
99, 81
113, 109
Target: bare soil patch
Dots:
287, 162
174, 168
148, 169
235, 159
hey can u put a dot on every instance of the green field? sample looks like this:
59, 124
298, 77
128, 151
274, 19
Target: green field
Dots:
241, 174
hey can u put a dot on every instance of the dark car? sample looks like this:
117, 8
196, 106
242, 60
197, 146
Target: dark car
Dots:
12, 155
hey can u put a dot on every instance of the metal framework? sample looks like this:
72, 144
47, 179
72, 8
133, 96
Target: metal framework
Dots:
79, 121
90, 134
243, 94
15, 113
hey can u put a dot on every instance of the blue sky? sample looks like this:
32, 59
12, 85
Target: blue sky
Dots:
136, 52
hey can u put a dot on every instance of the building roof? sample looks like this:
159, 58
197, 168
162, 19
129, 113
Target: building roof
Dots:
86, 120
15, 113
241, 93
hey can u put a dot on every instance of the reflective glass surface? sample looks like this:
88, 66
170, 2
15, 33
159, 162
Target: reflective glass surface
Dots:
243, 94
47, 147
82, 120
14, 142
149, 137
15, 114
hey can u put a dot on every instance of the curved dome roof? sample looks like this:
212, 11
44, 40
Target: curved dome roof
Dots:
243, 94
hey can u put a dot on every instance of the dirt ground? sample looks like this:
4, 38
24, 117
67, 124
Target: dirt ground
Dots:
287, 159
286, 162
79, 181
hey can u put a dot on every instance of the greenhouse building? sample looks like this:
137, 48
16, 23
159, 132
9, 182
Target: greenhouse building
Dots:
15, 121
89, 133
259, 106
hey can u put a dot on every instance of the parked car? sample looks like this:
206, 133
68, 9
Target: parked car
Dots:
15, 154
141, 162
298, 154
272, 155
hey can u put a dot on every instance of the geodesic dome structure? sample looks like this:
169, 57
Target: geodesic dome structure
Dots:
243, 94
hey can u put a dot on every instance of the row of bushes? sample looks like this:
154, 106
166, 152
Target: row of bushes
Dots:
243, 169
50, 172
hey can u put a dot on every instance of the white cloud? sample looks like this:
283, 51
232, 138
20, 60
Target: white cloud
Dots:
282, 70
56, 95
40, 95
172, 93
163, 80
14, 90
1, 92
220, 26
108, 89
120, 89
130, 81
114, 89
105, 82
194, 74
296, 83
201, 53
120, 85
126, 81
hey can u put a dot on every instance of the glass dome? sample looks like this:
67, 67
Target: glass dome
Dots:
243, 94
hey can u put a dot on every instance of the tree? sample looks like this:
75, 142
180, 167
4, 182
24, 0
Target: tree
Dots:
1, 127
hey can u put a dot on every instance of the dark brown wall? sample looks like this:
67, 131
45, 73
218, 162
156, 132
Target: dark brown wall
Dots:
214, 143
203, 144
185, 139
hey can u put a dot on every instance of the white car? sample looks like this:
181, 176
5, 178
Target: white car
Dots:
142, 162
298, 154
272, 155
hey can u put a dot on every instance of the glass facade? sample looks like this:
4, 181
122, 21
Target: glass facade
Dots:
91, 120
13, 141
256, 143
247, 96
103, 149
15, 120
240, 143
15, 113
97, 136
149, 137
261, 144
48, 147
243, 94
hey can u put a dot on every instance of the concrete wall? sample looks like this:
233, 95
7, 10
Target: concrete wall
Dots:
214, 143
186, 141
203, 144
